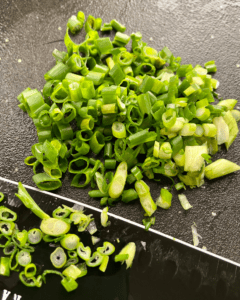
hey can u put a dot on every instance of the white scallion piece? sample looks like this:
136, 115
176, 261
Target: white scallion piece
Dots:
184, 202
95, 239
104, 217
195, 235
92, 228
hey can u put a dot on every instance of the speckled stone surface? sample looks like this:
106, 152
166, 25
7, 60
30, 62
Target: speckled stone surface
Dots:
196, 30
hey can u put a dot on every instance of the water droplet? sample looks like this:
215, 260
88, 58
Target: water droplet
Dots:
19, 60
237, 65
212, 36
59, 28
214, 214
6, 40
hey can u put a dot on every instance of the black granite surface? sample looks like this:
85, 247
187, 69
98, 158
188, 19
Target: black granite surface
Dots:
197, 31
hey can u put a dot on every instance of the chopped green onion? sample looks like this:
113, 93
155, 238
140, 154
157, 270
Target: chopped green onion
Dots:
10, 248
117, 74
35, 236
1, 196
233, 128
195, 235
30, 270
72, 253
147, 222
193, 157
70, 241
141, 137
137, 173
104, 45
46, 182
107, 249
83, 252
23, 258
145, 197
129, 195
207, 158
13, 263
117, 26
117, 185
74, 24
184, 202
235, 114
104, 218
7, 227
95, 260
28, 281
69, 284
220, 168
129, 253
104, 201
50, 272
97, 142
61, 212
165, 151
121, 39
4, 266
118, 130
188, 129
58, 72
179, 186
97, 194
54, 227
209, 130
95, 239
7, 214
72, 272
121, 257
157, 113
58, 258
210, 66
110, 164
106, 27
92, 228
165, 199
104, 264
229, 103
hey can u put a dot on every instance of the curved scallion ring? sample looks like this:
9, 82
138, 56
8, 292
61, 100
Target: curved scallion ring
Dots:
30, 270
107, 249
83, 252
95, 260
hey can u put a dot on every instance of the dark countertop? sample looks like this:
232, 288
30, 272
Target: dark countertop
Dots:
197, 31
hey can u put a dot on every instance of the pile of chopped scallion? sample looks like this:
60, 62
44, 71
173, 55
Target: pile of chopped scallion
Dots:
104, 109
18, 245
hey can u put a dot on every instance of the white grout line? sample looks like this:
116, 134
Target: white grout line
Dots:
125, 220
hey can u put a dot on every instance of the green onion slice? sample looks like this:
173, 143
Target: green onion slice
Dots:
106, 249
58, 258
